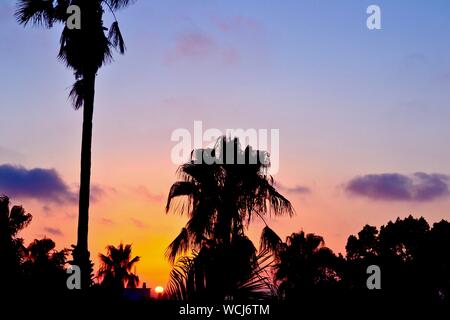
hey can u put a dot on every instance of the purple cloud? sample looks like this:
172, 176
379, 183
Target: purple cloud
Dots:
42, 184
53, 231
37, 183
397, 187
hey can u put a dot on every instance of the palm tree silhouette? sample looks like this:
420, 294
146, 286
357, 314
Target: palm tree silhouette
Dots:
116, 265
84, 51
223, 197
304, 264
217, 272
44, 266
226, 187
12, 249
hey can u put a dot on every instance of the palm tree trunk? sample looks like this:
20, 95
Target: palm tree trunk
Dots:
82, 258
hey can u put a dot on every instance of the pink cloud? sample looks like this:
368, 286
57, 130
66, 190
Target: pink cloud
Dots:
143, 191
139, 224
106, 222
237, 24
200, 47
192, 45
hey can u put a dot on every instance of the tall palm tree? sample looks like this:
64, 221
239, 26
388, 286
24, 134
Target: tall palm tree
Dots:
116, 265
84, 51
224, 197
224, 193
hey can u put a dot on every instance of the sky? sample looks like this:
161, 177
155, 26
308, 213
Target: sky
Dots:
362, 114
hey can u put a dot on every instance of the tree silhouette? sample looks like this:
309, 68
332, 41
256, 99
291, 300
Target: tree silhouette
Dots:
38, 267
225, 187
224, 196
12, 249
218, 272
305, 265
437, 261
44, 266
84, 51
116, 265
414, 259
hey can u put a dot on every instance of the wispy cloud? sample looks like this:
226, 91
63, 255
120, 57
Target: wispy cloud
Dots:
99, 191
237, 24
299, 189
139, 223
398, 187
54, 231
153, 197
70, 215
48, 211
200, 47
107, 222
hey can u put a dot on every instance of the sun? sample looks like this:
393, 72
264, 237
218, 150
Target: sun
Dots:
159, 289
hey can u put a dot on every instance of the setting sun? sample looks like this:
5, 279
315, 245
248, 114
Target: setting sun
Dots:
159, 290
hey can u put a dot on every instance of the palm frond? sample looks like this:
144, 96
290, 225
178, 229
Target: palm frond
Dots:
37, 12
269, 240
119, 4
180, 188
279, 204
115, 37
181, 284
258, 285
132, 280
60, 10
133, 262
77, 94
179, 245
314, 242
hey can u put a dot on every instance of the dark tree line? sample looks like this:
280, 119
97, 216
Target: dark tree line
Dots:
37, 265
217, 261
214, 260
414, 259
39, 268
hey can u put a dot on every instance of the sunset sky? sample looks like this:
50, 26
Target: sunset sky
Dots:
363, 115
